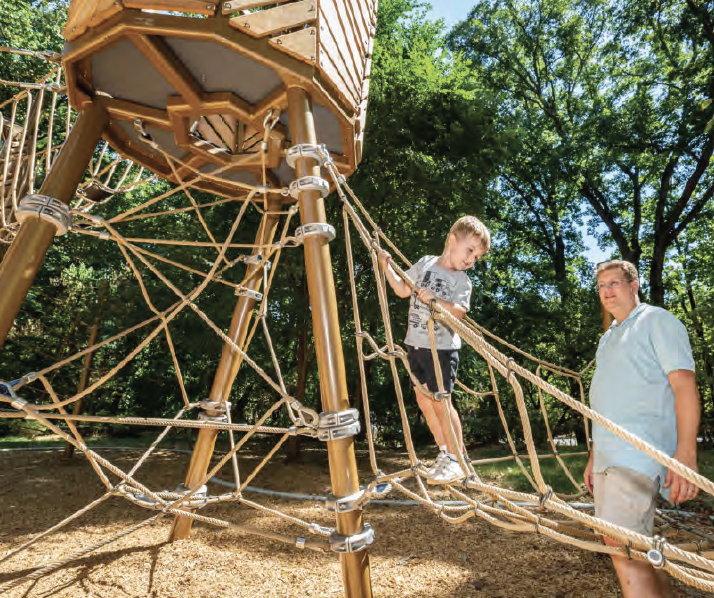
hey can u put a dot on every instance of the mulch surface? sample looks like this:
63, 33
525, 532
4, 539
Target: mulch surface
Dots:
415, 553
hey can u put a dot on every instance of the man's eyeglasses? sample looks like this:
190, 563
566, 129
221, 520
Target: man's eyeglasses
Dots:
614, 284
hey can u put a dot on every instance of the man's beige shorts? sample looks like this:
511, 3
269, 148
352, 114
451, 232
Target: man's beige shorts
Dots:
626, 498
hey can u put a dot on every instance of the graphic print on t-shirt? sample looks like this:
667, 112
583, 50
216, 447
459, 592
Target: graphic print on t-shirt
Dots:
419, 312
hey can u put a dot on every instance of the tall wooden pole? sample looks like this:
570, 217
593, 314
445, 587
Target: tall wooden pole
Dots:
27, 252
328, 346
228, 367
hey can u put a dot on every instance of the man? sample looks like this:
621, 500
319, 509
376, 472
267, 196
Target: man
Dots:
644, 381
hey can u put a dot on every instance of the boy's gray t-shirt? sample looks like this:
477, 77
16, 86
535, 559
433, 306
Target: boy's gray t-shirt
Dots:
451, 286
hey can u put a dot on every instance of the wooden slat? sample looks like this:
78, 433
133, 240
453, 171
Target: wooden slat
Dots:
273, 20
166, 62
231, 6
350, 45
123, 110
349, 12
79, 13
105, 9
302, 44
333, 74
228, 127
339, 42
330, 53
192, 6
363, 16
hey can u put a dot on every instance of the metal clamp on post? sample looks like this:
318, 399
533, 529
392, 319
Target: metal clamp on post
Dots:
250, 293
47, 209
198, 498
347, 503
339, 425
257, 260
303, 150
214, 411
354, 543
309, 183
320, 229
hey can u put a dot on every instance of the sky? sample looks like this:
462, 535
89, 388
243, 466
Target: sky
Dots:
453, 11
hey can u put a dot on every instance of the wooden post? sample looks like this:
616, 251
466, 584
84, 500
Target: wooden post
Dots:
27, 252
83, 379
227, 368
328, 346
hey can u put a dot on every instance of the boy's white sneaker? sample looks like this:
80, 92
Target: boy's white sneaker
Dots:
437, 465
449, 471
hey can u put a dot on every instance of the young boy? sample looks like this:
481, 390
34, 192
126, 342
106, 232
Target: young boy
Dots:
442, 278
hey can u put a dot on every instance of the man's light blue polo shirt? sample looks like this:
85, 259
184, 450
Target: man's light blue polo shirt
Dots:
631, 388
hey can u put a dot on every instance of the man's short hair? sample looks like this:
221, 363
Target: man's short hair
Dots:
627, 268
470, 225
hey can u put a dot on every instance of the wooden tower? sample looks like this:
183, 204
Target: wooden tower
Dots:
202, 77
184, 88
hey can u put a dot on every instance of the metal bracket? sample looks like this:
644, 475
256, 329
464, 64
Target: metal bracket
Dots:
304, 150
214, 411
197, 500
354, 543
250, 293
339, 425
346, 504
655, 555
309, 183
7, 391
321, 229
47, 209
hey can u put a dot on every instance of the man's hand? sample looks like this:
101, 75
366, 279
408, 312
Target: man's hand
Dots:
588, 475
681, 490
426, 294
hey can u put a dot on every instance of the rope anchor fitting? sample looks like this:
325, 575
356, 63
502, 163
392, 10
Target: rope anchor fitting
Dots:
309, 183
47, 209
320, 229
355, 543
338, 425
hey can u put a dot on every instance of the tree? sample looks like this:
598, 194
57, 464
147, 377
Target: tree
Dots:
612, 92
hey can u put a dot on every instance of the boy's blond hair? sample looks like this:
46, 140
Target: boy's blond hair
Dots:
470, 225
627, 268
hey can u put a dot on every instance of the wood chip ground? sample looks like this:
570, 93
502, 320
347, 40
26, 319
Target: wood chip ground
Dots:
415, 554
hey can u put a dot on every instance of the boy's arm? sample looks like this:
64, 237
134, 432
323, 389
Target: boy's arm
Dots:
400, 287
455, 309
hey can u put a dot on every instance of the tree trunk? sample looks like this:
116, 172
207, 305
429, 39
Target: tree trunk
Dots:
659, 255
303, 368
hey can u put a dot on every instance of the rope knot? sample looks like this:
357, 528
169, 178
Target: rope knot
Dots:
545, 496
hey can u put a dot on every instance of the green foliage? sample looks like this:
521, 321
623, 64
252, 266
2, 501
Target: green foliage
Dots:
545, 118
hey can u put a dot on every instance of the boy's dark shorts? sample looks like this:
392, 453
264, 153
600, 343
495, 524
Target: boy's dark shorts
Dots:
422, 365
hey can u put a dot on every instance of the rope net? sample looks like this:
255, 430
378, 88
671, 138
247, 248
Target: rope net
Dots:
207, 258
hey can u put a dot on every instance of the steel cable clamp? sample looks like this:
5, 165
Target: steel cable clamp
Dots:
320, 229
303, 150
309, 183
357, 500
339, 425
214, 411
47, 209
655, 555
197, 500
250, 293
355, 543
